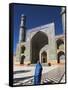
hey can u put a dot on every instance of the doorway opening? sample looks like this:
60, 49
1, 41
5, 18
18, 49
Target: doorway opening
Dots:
44, 57
22, 59
60, 56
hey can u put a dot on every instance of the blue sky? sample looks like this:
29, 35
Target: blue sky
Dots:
36, 16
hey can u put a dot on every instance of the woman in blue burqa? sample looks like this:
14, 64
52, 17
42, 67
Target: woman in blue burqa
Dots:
38, 73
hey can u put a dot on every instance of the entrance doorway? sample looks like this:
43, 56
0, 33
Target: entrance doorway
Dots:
60, 56
22, 59
44, 57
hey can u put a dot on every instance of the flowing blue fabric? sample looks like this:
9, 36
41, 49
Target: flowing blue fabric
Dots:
38, 74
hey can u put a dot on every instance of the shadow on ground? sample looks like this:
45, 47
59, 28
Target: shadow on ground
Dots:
20, 79
21, 71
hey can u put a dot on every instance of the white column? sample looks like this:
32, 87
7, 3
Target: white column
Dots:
63, 18
63, 23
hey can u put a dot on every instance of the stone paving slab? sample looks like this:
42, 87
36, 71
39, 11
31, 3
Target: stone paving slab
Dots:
53, 73
23, 71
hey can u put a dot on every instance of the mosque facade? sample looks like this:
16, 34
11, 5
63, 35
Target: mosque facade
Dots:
41, 43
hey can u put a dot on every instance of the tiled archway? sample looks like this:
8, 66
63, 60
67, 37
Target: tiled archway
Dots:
39, 40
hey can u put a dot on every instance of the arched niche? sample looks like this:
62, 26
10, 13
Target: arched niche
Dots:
59, 42
39, 40
44, 57
59, 55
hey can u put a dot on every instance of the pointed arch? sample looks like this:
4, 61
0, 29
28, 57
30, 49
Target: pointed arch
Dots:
59, 42
37, 42
59, 55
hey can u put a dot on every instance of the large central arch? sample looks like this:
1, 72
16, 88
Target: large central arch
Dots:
37, 42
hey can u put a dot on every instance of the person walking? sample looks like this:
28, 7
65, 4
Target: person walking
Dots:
38, 73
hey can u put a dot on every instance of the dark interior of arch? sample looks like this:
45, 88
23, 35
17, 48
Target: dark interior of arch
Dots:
58, 56
38, 41
22, 59
44, 57
22, 49
59, 42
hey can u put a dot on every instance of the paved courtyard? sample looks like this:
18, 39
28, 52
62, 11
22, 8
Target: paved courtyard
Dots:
23, 75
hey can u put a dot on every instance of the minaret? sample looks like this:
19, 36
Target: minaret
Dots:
22, 29
22, 33
63, 11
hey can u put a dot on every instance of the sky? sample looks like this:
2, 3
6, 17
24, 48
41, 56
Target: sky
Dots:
35, 16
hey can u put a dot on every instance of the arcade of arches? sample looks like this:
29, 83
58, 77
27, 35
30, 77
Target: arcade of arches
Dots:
60, 54
41, 44
38, 41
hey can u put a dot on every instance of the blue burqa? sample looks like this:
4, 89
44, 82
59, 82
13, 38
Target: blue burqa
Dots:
38, 74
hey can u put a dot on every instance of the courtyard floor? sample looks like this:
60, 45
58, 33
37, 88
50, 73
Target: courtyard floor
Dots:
24, 74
